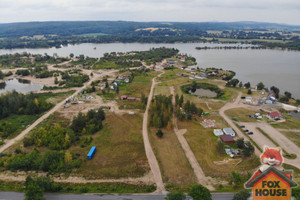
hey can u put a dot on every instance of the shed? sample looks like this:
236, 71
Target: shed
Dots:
91, 153
229, 131
227, 139
218, 132
123, 97
131, 98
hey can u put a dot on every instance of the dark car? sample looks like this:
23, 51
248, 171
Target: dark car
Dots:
242, 126
246, 130
250, 133
261, 110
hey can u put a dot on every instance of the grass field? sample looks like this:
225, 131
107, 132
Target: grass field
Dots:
240, 115
174, 165
203, 143
293, 136
140, 84
120, 149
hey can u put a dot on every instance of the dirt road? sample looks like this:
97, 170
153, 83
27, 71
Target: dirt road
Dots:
9, 143
149, 152
187, 150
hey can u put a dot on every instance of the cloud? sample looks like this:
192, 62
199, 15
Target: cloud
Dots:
282, 11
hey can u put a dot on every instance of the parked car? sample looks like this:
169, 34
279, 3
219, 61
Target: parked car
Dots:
261, 110
246, 130
242, 126
250, 133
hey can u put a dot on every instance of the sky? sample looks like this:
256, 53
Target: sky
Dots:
278, 11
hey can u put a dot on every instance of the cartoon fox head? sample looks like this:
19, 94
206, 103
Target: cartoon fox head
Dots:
271, 156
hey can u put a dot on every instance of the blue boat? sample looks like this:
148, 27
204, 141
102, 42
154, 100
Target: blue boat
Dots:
91, 153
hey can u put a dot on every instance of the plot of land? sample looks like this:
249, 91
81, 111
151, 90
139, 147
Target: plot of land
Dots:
241, 114
174, 165
120, 150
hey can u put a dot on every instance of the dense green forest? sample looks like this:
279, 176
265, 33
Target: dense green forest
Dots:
17, 103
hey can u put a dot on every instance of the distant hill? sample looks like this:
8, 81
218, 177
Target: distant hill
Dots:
67, 28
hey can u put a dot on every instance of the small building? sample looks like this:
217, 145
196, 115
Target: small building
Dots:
126, 80
131, 98
227, 139
171, 62
91, 153
121, 77
229, 131
182, 59
218, 132
273, 115
123, 97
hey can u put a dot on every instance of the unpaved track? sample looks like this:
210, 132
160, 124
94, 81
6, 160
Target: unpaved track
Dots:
149, 152
9, 143
187, 150
289, 130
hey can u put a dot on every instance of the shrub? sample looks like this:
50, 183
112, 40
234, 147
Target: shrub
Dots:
199, 192
159, 133
176, 195
241, 195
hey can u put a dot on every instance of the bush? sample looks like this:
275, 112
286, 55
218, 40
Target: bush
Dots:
296, 193
241, 195
159, 133
199, 192
177, 195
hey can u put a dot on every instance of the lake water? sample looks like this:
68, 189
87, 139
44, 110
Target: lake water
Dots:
20, 85
272, 67
203, 93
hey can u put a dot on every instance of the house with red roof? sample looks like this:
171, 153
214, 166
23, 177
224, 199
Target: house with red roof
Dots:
273, 115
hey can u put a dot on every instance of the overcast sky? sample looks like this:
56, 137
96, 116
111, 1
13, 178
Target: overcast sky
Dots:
280, 11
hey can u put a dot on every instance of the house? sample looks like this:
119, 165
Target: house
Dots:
126, 80
102, 87
112, 87
229, 131
227, 139
124, 97
131, 98
171, 62
248, 99
91, 153
273, 115
182, 59
271, 184
204, 75
218, 132
121, 77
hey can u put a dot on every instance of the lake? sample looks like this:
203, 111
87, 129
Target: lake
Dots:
20, 85
272, 67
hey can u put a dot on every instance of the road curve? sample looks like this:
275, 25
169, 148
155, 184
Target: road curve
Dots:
149, 152
9, 143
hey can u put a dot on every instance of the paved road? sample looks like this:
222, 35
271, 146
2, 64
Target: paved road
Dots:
258, 137
148, 149
57, 196
187, 150
278, 137
9, 143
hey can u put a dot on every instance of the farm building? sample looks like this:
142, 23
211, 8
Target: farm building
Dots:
91, 153
229, 131
227, 139
218, 132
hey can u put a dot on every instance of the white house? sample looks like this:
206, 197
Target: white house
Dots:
218, 132
229, 131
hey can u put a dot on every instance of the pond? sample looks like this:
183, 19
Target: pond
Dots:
19, 85
203, 93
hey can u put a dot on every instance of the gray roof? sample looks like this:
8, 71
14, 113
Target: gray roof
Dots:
228, 131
